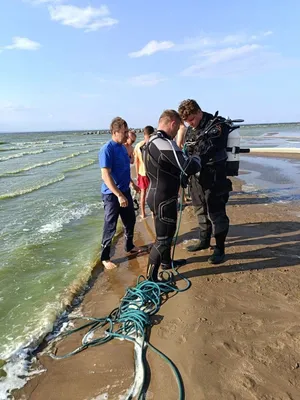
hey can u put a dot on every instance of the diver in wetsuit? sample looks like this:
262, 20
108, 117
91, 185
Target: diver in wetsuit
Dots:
207, 137
167, 167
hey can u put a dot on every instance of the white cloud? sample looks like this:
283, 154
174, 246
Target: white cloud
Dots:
230, 55
241, 38
21, 43
237, 61
198, 43
152, 47
146, 79
88, 18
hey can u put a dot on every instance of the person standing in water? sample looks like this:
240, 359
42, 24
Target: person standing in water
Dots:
115, 170
142, 179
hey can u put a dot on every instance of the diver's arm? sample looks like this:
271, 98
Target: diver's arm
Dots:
180, 138
190, 165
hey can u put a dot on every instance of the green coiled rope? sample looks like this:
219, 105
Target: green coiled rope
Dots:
131, 319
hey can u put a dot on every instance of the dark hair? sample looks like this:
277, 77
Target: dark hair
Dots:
170, 115
188, 107
148, 130
132, 132
117, 123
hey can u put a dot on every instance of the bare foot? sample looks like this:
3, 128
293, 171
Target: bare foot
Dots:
109, 264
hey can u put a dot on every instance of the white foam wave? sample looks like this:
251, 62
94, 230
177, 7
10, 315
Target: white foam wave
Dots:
43, 164
30, 142
249, 188
27, 145
25, 153
17, 370
65, 217
90, 162
32, 189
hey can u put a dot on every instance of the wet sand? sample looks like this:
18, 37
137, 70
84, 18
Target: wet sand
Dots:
280, 155
234, 335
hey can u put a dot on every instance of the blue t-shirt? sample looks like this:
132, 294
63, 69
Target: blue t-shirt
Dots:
114, 156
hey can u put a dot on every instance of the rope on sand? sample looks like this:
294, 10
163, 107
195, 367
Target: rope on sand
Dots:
131, 321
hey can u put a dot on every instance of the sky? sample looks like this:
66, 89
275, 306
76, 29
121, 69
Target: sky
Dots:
76, 64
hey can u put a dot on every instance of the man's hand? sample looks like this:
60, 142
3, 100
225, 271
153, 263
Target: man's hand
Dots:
123, 200
135, 187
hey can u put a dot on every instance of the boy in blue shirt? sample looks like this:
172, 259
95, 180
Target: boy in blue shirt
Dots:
115, 169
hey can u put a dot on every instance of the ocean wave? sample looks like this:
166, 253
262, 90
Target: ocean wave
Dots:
30, 142
44, 163
25, 153
20, 364
32, 189
26, 145
90, 162
17, 370
66, 217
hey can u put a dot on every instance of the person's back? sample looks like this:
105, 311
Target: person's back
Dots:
138, 158
162, 167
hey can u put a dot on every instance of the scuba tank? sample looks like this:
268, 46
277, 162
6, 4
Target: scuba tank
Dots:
233, 148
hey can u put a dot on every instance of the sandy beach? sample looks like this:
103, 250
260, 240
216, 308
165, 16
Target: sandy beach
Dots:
235, 334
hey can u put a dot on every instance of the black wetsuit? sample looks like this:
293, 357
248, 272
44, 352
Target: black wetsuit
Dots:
210, 191
164, 173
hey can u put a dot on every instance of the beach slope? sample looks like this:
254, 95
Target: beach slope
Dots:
235, 334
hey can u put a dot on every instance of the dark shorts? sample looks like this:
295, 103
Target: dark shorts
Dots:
143, 182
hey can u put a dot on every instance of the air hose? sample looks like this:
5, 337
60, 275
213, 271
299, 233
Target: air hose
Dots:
131, 321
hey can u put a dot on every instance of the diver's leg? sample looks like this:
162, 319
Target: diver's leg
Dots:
217, 201
165, 218
200, 210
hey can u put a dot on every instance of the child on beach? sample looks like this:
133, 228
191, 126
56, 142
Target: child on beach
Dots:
142, 179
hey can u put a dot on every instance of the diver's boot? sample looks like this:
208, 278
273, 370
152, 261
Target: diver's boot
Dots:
218, 255
202, 244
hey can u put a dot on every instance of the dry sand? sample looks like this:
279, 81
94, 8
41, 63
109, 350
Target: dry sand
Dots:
234, 335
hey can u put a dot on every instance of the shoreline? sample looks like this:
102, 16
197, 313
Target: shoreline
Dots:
212, 324
280, 154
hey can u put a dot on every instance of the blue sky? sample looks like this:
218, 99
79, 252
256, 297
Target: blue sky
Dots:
75, 64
